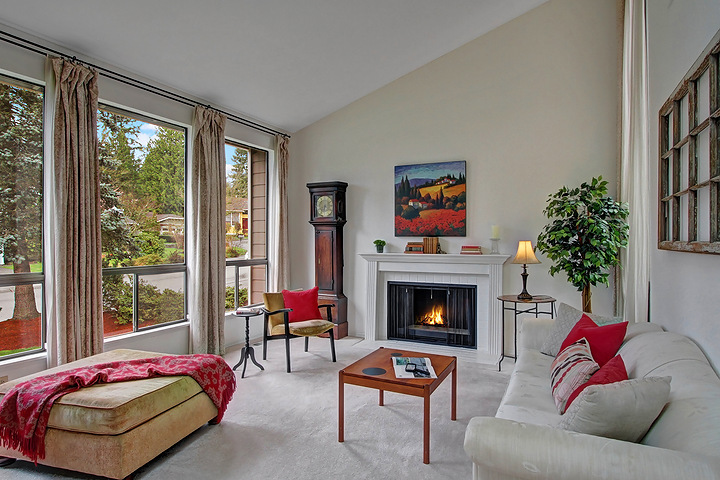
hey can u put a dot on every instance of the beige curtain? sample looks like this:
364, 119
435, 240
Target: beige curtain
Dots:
77, 294
635, 189
206, 259
281, 260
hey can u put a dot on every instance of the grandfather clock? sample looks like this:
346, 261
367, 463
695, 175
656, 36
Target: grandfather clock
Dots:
327, 215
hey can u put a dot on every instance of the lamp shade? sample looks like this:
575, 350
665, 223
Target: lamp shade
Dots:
525, 253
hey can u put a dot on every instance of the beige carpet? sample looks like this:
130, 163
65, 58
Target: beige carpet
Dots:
284, 426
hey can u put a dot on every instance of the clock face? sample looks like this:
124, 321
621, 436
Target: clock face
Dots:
324, 206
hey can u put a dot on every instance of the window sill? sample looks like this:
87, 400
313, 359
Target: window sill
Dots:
157, 330
24, 358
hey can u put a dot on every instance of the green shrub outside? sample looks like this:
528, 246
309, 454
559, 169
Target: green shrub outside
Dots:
230, 298
156, 305
232, 252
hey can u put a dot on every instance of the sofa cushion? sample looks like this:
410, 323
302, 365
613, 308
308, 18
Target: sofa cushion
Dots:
622, 410
690, 421
528, 397
573, 366
604, 341
567, 317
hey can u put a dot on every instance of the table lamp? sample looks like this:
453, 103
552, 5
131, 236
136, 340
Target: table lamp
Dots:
525, 255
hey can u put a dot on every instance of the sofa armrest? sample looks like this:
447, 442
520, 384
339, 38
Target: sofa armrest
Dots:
526, 451
532, 331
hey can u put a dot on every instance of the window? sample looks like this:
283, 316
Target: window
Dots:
22, 315
245, 225
689, 166
142, 177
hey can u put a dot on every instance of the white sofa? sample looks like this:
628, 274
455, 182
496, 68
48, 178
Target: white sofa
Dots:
523, 440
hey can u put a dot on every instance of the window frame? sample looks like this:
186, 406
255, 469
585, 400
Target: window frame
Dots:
19, 279
671, 143
250, 262
148, 270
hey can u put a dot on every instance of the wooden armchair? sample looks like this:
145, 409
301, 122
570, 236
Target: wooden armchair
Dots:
278, 324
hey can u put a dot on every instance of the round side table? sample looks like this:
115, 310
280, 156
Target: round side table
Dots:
526, 306
247, 352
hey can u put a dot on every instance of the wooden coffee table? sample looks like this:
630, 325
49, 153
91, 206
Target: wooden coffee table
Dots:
376, 371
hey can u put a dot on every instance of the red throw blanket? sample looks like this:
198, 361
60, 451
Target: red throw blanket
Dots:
25, 409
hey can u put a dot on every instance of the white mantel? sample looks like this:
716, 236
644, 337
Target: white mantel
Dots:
483, 271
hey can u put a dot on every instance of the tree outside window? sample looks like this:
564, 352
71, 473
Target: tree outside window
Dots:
21, 215
143, 221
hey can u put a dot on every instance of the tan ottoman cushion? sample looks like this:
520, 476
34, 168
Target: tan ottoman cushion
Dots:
114, 408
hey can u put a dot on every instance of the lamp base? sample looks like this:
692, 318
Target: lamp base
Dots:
524, 295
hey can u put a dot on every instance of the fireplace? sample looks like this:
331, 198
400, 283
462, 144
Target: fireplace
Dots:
435, 313
484, 272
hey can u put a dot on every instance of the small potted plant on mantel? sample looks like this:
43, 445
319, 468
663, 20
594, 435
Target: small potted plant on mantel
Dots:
379, 245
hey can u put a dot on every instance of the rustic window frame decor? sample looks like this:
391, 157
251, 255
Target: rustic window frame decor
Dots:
687, 189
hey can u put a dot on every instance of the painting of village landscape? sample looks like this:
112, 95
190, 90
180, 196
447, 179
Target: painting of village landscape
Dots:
430, 200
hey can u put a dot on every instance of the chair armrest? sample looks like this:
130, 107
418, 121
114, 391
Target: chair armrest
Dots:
526, 451
282, 310
328, 311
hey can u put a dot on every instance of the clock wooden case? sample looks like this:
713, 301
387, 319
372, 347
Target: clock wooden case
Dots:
327, 216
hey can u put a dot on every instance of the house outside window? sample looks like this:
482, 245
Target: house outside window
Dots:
22, 311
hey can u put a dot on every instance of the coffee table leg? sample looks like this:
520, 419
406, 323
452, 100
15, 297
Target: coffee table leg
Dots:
381, 400
341, 409
453, 405
426, 427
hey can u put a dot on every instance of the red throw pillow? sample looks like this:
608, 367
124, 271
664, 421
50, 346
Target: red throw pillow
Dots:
613, 371
604, 341
304, 304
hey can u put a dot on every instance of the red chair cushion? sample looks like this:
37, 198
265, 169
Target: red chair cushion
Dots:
304, 304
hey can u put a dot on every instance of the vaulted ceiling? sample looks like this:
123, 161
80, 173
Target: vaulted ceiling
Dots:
287, 63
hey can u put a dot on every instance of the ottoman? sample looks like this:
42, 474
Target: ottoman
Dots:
113, 429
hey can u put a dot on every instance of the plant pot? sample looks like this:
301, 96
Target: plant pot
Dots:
379, 248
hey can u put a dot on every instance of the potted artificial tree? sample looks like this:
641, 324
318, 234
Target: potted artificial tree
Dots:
379, 245
584, 239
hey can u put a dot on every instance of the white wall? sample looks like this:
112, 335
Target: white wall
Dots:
684, 286
531, 106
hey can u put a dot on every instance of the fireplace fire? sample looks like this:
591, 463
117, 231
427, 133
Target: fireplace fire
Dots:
434, 317
442, 314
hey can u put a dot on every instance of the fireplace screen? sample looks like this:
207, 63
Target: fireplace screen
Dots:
432, 313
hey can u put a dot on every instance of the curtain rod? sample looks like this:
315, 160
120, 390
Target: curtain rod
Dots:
133, 82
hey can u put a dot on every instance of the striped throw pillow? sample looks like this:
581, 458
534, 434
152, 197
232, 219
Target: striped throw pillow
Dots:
571, 368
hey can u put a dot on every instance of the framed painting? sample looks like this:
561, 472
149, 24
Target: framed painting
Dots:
430, 200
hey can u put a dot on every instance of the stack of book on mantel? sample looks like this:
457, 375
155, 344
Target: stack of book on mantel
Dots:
430, 245
471, 250
414, 247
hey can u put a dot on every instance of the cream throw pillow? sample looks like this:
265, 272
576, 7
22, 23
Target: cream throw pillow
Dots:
623, 410
567, 317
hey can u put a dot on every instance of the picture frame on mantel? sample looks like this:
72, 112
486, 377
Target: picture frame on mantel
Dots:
430, 199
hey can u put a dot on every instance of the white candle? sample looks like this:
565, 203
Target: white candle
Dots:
495, 232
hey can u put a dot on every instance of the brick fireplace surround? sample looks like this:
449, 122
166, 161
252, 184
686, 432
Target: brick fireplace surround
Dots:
483, 271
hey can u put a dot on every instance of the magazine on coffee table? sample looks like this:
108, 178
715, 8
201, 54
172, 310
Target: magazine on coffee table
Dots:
413, 367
